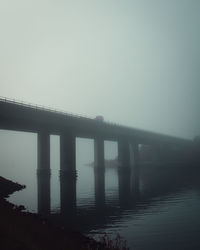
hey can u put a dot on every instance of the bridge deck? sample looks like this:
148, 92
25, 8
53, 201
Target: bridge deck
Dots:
16, 115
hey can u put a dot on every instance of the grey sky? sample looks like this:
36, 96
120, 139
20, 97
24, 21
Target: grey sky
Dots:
134, 62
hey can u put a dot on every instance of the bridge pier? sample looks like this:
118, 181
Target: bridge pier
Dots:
135, 175
99, 173
99, 153
135, 150
68, 154
124, 159
43, 149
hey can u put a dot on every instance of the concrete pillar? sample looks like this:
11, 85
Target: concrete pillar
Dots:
43, 152
135, 149
99, 153
124, 154
99, 173
135, 175
68, 154
43, 183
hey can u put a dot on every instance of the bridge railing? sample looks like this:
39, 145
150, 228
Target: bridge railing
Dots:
69, 114
53, 110
40, 107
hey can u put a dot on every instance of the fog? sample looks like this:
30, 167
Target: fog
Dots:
134, 62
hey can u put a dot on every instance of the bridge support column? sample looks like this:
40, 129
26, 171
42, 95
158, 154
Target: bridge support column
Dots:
43, 152
99, 153
68, 154
135, 176
99, 173
124, 155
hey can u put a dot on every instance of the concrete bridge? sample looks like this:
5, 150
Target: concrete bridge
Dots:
45, 122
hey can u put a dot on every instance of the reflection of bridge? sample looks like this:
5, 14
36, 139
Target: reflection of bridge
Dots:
154, 188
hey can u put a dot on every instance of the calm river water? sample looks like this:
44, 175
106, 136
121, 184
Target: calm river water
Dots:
163, 214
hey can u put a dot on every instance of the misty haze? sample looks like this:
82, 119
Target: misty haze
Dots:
100, 124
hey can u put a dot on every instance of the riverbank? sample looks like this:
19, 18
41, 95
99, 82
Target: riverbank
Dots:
24, 231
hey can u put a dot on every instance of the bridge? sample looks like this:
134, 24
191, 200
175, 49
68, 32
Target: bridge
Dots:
15, 115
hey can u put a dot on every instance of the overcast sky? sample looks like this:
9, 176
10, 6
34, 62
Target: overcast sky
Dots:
134, 62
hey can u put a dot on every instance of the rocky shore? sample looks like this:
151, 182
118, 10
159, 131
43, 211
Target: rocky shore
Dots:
24, 231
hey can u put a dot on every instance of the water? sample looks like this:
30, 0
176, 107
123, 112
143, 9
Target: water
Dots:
163, 215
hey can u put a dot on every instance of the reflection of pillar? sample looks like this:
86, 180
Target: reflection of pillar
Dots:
68, 154
43, 152
99, 182
135, 175
124, 190
43, 181
99, 153
124, 154
99, 172
68, 196
124, 160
